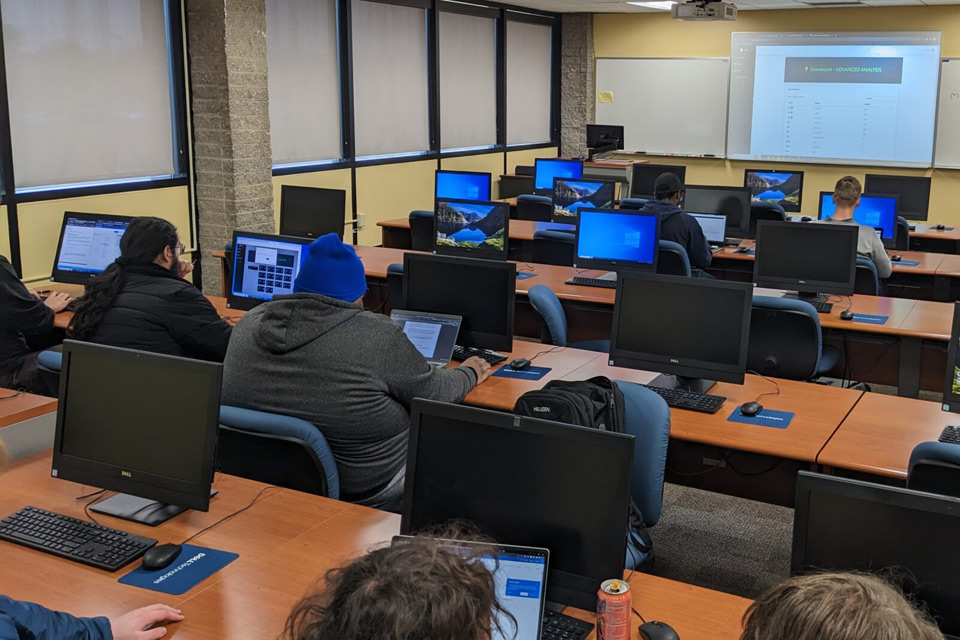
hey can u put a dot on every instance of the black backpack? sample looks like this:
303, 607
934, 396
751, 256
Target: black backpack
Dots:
596, 403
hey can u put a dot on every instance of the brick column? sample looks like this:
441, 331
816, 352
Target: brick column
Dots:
577, 106
227, 55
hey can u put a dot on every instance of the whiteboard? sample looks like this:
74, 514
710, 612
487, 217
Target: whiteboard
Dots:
666, 105
947, 154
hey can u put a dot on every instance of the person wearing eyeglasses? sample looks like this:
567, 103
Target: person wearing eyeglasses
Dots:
141, 300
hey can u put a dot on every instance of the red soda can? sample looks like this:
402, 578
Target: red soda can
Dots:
614, 604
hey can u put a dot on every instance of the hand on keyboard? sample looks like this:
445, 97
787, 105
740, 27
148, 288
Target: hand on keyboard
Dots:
480, 366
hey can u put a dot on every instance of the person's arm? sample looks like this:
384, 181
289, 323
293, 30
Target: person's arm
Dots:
880, 258
33, 621
20, 310
196, 325
699, 253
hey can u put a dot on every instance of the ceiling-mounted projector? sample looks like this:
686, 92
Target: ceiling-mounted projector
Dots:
703, 10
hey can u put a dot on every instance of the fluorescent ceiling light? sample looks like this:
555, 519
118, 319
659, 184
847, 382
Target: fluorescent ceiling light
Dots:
663, 5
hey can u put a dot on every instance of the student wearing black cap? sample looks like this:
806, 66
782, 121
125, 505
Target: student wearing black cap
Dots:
677, 225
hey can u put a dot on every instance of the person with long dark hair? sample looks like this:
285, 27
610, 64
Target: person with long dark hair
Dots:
141, 301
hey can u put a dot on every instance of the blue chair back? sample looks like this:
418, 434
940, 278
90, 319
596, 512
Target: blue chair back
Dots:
633, 203
275, 449
536, 208
902, 237
395, 286
764, 211
421, 230
673, 260
553, 319
867, 279
785, 338
554, 247
935, 468
50, 360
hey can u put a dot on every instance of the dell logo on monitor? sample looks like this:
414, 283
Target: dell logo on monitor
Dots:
802, 281
126, 474
674, 361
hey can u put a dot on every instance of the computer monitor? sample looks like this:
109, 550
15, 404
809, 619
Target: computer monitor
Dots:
527, 482
784, 188
714, 227
569, 196
311, 212
264, 266
644, 175
807, 258
658, 325
951, 384
605, 135
733, 202
618, 240
908, 536
482, 292
546, 169
472, 228
914, 192
139, 423
89, 243
462, 185
875, 210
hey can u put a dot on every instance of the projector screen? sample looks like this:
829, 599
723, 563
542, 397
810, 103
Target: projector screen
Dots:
842, 98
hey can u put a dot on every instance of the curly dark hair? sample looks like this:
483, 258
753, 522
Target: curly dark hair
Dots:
420, 590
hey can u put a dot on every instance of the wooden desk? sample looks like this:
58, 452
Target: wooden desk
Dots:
23, 407
286, 542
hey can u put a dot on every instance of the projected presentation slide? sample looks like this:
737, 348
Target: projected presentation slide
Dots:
854, 97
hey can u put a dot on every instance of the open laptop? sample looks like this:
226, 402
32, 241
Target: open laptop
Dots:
714, 228
433, 334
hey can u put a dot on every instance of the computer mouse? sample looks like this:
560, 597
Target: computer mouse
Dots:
160, 556
896, 257
939, 227
806, 219
846, 315
654, 630
750, 409
743, 250
519, 364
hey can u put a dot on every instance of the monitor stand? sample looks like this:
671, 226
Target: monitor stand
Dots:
140, 510
691, 385
806, 297
609, 275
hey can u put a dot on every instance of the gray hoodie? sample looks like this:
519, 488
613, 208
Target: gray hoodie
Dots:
350, 372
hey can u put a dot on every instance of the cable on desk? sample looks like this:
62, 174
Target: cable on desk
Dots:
769, 393
100, 496
548, 351
90, 495
228, 517
527, 267
15, 394
630, 575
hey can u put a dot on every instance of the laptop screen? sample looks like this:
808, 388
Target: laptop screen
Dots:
265, 266
714, 227
89, 243
433, 334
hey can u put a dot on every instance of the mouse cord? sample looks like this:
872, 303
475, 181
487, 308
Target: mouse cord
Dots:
768, 393
228, 517
526, 268
15, 394
547, 351
630, 575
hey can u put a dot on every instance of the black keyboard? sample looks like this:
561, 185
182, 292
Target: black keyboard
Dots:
732, 242
593, 282
73, 539
823, 307
950, 435
557, 626
686, 400
462, 353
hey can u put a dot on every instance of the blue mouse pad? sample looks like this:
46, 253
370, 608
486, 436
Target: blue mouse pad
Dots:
192, 566
766, 418
869, 319
906, 263
523, 275
530, 373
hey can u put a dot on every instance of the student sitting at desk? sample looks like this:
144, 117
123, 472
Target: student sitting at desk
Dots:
23, 315
141, 301
317, 355
675, 224
846, 197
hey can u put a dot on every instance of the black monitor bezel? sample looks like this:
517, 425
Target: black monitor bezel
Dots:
483, 254
436, 177
77, 277
739, 231
951, 401
909, 215
665, 168
615, 265
144, 485
807, 286
567, 219
792, 208
618, 128
558, 588
242, 302
469, 338
343, 211
536, 166
673, 366
888, 243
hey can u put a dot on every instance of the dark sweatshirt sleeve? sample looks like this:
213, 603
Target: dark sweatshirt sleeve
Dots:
197, 327
20, 310
28, 620
699, 252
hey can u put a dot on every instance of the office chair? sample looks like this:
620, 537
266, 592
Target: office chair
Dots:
786, 340
421, 230
553, 321
633, 203
935, 468
48, 369
279, 450
554, 247
867, 279
395, 285
672, 260
902, 235
536, 208
764, 211
524, 170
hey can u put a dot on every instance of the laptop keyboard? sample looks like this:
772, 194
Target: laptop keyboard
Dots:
557, 626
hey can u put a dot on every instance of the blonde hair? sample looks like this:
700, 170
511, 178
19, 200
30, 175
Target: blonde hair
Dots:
847, 191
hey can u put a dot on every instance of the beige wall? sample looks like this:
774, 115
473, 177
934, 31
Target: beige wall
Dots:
392, 191
657, 35
527, 157
335, 179
491, 163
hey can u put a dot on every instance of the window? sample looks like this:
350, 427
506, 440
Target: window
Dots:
529, 82
90, 92
468, 81
390, 79
304, 80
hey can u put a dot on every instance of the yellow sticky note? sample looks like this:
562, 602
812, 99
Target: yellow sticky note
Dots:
605, 96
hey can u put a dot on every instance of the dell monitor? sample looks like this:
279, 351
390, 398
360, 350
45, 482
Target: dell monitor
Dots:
784, 188
914, 192
546, 169
89, 243
264, 266
462, 185
616, 240
907, 536
602, 138
714, 227
951, 385
733, 202
139, 423
311, 212
807, 258
875, 210
471, 228
527, 482
482, 292
658, 325
569, 196
644, 175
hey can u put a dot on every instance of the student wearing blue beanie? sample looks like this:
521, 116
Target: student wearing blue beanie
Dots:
318, 355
